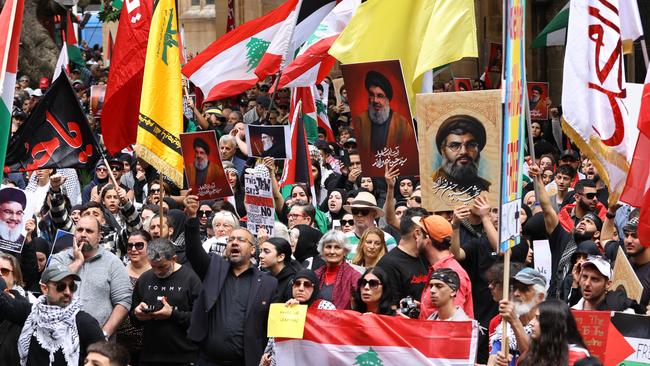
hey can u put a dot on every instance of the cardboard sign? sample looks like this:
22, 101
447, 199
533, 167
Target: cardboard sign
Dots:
287, 321
447, 183
259, 200
542, 258
624, 277
203, 170
381, 117
603, 339
16, 208
539, 100
273, 141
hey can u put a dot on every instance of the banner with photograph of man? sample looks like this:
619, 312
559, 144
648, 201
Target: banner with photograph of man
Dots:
460, 144
462, 84
15, 210
538, 99
381, 117
203, 170
495, 58
273, 141
97, 93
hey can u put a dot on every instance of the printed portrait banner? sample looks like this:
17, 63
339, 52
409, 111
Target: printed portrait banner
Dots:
62, 241
338, 83
606, 336
538, 100
514, 119
15, 209
456, 168
273, 141
381, 117
203, 169
259, 200
97, 93
495, 59
462, 84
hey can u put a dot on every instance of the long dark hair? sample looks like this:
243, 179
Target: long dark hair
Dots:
558, 330
385, 301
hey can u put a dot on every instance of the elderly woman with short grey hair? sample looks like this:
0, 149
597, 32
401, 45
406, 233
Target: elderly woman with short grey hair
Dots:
337, 278
223, 223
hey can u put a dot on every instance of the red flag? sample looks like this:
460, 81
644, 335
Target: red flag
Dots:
122, 101
230, 24
70, 37
298, 168
638, 178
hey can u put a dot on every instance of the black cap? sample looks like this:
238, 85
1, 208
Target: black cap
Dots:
570, 154
263, 101
594, 218
11, 194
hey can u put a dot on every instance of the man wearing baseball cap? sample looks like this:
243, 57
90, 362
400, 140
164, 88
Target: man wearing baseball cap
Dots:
57, 331
434, 238
596, 289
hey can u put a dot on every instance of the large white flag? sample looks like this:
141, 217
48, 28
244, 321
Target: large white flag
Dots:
597, 101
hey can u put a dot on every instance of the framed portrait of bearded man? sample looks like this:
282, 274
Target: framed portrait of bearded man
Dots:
460, 143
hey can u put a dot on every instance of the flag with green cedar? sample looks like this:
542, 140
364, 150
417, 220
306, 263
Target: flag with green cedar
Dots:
74, 53
554, 34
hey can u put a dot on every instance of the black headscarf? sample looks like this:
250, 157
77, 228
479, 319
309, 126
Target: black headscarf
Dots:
310, 275
178, 222
325, 207
307, 245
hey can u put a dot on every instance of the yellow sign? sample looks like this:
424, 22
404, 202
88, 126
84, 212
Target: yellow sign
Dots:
287, 321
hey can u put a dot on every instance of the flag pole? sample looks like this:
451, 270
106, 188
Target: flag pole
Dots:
275, 88
110, 173
161, 195
505, 346
644, 50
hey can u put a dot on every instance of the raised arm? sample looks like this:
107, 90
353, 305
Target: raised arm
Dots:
461, 213
391, 174
550, 216
482, 209
199, 259
278, 200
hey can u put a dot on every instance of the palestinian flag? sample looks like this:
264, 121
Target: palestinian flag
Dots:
74, 53
345, 337
554, 34
312, 62
298, 168
294, 31
11, 21
321, 110
305, 95
227, 66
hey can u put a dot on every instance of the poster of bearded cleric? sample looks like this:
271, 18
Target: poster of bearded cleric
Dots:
14, 214
381, 117
203, 169
460, 144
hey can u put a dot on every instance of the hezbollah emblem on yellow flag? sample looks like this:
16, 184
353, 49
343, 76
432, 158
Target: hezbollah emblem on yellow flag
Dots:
161, 103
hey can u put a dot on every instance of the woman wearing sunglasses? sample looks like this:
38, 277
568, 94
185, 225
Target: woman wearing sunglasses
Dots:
347, 223
373, 293
205, 216
305, 292
371, 248
128, 334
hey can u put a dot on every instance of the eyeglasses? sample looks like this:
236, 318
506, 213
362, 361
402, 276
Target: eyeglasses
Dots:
60, 286
469, 146
305, 284
5, 271
590, 196
12, 213
373, 284
360, 211
154, 190
294, 216
116, 168
240, 239
138, 246
417, 199
347, 222
206, 213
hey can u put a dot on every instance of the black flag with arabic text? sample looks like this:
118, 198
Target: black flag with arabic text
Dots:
56, 134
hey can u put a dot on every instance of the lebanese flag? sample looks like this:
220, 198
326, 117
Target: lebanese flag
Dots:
321, 110
227, 66
637, 186
294, 31
119, 118
297, 169
313, 62
345, 337
11, 21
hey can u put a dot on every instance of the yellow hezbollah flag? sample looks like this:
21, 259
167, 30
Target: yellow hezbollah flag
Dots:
423, 34
161, 114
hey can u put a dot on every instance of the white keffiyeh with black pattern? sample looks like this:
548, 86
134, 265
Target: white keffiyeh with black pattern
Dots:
54, 327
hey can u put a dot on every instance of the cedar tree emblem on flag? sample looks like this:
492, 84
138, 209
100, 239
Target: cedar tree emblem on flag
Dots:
255, 49
369, 358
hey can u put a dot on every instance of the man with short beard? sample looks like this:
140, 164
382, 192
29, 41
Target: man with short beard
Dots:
201, 171
460, 140
388, 128
105, 290
528, 290
12, 209
586, 200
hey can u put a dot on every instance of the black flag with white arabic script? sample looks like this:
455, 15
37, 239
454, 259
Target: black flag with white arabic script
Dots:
56, 134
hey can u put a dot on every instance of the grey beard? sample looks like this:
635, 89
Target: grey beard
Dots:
9, 234
201, 166
460, 172
522, 308
379, 117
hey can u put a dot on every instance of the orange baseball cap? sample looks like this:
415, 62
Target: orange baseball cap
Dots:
436, 226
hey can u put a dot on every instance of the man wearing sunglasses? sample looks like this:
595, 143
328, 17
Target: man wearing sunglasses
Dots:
364, 210
57, 331
586, 200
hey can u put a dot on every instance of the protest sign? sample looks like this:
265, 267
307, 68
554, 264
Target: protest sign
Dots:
62, 241
495, 59
601, 337
259, 200
462, 84
203, 170
287, 321
636, 331
624, 277
538, 100
15, 209
446, 182
97, 93
273, 141
381, 114
542, 259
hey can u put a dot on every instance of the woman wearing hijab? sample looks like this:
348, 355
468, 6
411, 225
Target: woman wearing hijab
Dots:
333, 206
306, 251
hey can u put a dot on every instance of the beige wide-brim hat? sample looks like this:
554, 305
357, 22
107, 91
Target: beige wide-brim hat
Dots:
364, 200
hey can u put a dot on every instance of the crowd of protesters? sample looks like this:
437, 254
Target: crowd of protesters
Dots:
189, 284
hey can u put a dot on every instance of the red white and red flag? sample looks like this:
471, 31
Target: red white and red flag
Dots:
344, 337
119, 119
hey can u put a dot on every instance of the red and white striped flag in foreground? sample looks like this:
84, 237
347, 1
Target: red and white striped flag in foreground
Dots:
349, 338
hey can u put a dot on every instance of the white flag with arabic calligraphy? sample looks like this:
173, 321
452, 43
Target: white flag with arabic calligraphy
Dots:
599, 106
